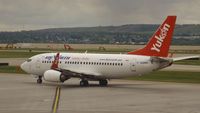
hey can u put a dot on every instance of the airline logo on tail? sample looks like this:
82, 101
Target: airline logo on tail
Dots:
160, 38
160, 42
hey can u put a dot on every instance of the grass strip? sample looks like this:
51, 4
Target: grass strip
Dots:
11, 69
170, 76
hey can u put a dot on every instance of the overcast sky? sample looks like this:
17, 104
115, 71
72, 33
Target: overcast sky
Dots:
38, 14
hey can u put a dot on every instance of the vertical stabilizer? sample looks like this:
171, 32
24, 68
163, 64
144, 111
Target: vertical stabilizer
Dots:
160, 42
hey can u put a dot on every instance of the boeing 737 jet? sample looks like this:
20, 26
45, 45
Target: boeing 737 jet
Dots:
59, 67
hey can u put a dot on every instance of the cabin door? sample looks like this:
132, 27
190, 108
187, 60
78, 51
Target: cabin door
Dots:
133, 65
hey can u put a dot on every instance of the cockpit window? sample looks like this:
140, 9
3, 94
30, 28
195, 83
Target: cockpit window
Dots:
29, 60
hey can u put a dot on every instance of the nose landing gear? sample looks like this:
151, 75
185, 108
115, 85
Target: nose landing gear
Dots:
39, 80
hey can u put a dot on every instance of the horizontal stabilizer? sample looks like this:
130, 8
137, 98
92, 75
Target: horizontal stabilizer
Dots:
186, 58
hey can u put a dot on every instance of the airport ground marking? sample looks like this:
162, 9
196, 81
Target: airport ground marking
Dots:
56, 100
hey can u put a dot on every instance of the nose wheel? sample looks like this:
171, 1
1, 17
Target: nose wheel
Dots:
39, 80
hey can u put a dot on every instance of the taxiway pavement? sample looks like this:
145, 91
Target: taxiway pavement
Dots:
19, 93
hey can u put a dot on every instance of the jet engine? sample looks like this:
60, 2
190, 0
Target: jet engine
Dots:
54, 76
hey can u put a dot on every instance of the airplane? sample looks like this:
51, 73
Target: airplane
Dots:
59, 67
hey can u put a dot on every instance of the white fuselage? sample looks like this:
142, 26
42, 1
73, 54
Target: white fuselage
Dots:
106, 65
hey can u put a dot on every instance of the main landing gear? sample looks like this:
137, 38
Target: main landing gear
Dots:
39, 80
103, 82
85, 82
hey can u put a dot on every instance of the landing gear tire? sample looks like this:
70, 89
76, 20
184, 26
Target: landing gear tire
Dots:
39, 80
103, 82
84, 83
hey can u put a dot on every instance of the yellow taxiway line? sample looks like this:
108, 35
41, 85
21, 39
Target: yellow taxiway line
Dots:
56, 100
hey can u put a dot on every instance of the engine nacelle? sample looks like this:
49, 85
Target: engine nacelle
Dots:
52, 76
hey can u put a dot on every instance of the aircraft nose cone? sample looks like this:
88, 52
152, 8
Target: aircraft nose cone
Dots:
24, 67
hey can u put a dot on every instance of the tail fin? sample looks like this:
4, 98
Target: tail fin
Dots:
56, 61
160, 42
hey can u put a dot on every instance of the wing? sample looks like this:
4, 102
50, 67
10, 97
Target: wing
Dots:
80, 74
186, 58
74, 72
